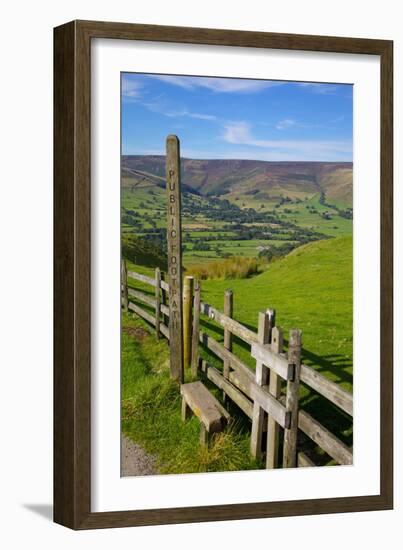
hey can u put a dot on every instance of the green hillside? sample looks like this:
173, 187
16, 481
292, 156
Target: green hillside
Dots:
248, 179
310, 289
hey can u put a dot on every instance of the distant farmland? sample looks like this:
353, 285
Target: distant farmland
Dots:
239, 207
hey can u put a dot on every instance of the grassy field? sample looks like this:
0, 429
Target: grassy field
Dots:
310, 289
240, 238
151, 411
246, 226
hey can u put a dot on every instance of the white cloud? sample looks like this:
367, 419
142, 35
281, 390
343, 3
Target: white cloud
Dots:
131, 88
239, 133
158, 106
201, 116
215, 84
284, 124
319, 88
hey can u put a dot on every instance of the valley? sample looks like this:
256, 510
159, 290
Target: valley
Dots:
234, 208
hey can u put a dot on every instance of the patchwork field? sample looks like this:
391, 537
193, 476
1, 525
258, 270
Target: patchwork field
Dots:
259, 210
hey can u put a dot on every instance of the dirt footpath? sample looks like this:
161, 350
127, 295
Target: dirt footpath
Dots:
135, 461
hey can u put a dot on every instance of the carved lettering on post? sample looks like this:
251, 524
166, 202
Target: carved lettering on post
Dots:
174, 238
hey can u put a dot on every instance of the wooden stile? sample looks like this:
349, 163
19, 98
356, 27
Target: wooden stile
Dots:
236, 328
187, 320
196, 327
273, 431
262, 389
292, 398
236, 396
197, 399
278, 363
174, 242
124, 285
157, 301
264, 330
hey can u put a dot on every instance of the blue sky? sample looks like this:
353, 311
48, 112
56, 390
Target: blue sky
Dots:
237, 118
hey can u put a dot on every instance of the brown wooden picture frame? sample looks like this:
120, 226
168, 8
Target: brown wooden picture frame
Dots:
72, 274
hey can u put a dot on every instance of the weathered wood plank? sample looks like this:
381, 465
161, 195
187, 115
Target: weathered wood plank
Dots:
196, 327
271, 406
233, 326
187, 320
304, 461
242, 382
204, 405
124, 285
144, 314
164, 299
219, 350
327, 388
142, 297
203, 436
228, 310
141, 277
291, 402
325, 439
174, 243
274, 361
164, 284
272, 449
264, 331
236, 396
164, 330
157, 301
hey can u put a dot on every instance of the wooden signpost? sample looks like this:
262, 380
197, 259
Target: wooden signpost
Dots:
174, 238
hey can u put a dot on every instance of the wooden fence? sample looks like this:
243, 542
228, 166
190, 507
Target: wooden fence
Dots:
269, 396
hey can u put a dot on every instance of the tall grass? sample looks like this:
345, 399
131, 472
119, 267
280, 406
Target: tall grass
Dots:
151, 412
237, 267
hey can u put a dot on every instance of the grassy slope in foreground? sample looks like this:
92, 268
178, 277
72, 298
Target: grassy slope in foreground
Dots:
310, 289
151, 411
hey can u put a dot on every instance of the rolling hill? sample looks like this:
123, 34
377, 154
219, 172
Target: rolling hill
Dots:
258, 180
311, 289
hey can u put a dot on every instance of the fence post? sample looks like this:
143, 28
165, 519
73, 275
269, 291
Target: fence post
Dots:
291, 405
196, 330
124, 284
187, 320
164, 300
266, 321
229, 311
274, 389
157, 301
174, 243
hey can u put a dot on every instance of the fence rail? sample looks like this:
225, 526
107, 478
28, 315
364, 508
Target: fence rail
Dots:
269, 397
